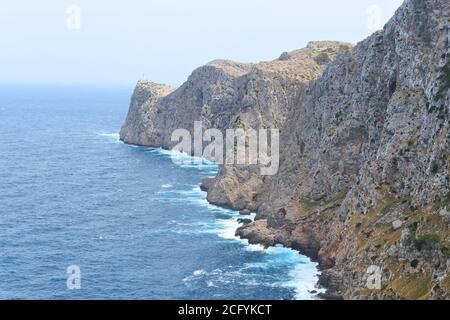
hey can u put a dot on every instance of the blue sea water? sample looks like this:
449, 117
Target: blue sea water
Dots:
135, 223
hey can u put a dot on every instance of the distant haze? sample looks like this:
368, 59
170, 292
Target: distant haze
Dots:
118, 42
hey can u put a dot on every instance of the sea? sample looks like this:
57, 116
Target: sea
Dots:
131, 222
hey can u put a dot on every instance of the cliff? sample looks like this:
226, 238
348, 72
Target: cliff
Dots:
225, 94
363, 185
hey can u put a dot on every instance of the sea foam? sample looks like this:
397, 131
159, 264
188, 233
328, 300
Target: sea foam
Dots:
302, 274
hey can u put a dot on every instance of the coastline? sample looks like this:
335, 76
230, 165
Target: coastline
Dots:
268, 238
320, 290
363, 181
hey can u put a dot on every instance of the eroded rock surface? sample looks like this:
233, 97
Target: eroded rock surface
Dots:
363, 185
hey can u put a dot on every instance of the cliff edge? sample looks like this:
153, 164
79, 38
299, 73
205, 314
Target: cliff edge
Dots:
364, 180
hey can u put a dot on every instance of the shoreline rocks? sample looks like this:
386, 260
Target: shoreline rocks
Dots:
364, 180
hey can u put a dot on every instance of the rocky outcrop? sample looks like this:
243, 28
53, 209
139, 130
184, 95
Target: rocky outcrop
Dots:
142, 113
364, 179
225, 94
367, 146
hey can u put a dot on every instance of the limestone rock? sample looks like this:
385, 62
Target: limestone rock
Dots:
364, 175
397, 224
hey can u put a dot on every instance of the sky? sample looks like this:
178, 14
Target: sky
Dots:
112, 42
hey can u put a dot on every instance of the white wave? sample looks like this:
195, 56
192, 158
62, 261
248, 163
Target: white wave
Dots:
255, 247
112, 137
227, 229
185, 160
166, 186
198, 272
302, 276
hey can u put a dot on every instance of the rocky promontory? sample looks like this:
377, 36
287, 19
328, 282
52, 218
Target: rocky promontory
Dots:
364, 180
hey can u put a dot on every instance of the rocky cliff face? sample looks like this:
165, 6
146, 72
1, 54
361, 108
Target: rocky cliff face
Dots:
223, 95
226, 94
364, 179
363, 185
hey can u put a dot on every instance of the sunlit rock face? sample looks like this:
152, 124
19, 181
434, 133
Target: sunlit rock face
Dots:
363, 185
367, 145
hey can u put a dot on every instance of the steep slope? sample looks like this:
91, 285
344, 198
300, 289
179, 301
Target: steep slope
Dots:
363, 185
225, 94
364, 180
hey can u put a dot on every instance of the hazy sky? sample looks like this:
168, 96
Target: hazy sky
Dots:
119, 42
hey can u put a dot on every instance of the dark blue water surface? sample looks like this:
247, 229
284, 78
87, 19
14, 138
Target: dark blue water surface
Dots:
135, 223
